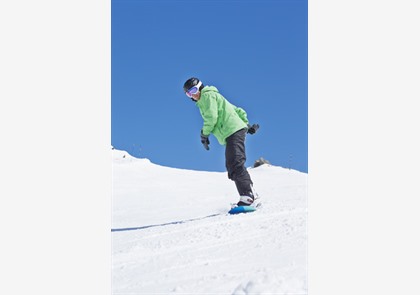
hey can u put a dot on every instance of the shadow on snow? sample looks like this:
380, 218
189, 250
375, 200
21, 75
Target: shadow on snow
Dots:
162, 224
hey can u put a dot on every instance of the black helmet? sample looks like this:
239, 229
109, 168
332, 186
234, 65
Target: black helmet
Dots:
191, 82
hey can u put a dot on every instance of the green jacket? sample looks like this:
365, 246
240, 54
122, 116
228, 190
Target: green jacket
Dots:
221, 118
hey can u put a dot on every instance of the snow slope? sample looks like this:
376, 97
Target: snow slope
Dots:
171, 232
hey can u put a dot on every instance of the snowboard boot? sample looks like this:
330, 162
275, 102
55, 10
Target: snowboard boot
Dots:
249, 198
246, 200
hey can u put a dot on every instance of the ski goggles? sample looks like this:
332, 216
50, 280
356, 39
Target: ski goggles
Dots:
193, 90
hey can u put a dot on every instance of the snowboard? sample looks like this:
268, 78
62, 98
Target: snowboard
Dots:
242, 209
245, 209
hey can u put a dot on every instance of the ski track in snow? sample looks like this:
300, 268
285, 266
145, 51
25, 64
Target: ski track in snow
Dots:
183, 252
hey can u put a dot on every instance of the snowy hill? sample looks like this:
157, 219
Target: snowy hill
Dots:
171, 232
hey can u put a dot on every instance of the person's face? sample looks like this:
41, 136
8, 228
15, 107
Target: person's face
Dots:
194, 92
196, 96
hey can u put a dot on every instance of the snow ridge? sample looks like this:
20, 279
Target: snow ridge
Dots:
171, 232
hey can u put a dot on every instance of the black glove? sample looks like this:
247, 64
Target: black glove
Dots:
205, 140
252, 129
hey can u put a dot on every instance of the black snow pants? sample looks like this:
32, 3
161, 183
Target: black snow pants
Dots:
235, 162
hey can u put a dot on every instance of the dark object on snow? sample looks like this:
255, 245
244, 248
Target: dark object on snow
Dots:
260, 162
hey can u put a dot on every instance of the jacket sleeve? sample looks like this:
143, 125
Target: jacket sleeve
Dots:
242, 114
209, 114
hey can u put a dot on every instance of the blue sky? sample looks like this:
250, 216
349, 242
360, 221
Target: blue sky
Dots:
254, 52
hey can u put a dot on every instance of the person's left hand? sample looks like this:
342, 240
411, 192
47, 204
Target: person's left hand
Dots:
252, 129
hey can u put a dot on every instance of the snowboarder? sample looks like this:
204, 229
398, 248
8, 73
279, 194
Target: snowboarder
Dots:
229, 124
